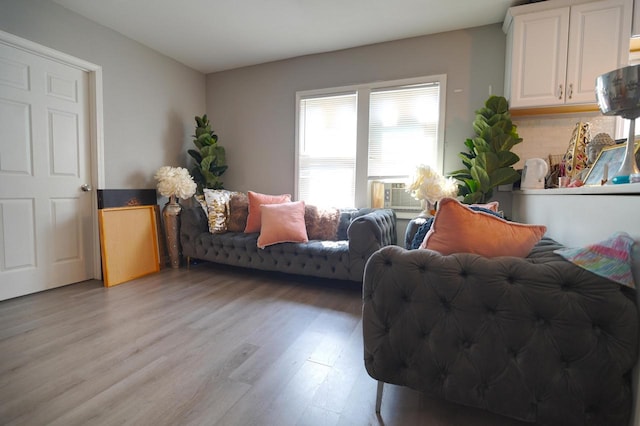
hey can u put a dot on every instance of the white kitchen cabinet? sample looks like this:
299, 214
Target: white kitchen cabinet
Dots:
635, 25
556, 49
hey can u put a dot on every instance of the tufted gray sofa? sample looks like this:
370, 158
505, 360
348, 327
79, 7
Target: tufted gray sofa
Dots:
360, 233
537, 339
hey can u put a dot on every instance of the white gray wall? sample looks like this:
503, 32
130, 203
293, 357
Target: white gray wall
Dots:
149, 99
253, 109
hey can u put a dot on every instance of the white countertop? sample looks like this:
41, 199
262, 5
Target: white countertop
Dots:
621, 189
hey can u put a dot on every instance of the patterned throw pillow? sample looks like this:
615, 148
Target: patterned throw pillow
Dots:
238, 212
610, 258
421, 233
321, 223
217, 208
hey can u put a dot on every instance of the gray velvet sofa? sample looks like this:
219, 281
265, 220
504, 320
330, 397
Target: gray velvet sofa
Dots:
361, 232
537, 339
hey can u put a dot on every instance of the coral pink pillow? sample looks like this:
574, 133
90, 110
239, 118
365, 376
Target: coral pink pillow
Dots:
458, 229
255, 201
282, 223
493, 206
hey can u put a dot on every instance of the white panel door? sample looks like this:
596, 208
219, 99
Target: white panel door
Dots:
46, 222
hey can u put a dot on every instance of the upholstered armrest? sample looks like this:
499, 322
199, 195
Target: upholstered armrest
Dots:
376, 228
193, 222
538, 338
368, 233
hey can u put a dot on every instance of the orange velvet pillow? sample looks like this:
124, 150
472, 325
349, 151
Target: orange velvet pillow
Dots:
458, 229
282, 223
255, 201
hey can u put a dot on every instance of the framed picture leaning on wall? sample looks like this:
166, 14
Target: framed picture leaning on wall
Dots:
609, 160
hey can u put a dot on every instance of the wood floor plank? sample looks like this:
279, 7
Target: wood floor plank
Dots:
210, 345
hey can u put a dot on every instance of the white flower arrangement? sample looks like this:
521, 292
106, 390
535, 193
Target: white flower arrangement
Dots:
175, 181
429, 185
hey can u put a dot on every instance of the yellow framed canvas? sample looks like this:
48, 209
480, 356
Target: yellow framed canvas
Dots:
128, 243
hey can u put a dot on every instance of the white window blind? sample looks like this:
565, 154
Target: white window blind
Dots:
327, 150
403, 129
348, 137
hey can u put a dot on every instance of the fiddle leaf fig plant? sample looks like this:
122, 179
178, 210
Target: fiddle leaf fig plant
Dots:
489, 160
209, 158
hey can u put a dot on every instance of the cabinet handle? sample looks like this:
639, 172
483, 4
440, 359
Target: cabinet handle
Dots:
560, 95
570, 90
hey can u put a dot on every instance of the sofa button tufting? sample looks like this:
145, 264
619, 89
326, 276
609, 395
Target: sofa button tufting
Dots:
482, 389
445, 304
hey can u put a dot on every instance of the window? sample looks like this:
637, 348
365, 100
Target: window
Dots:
327, 149
348, 137
403, 123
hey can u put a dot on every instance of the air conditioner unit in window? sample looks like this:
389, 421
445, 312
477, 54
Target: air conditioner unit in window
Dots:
393, 195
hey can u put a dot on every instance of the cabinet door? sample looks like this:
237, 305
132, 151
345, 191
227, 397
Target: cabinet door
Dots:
598, 43
538, 64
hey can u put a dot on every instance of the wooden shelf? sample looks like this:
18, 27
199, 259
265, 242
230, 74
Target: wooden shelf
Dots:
552, 110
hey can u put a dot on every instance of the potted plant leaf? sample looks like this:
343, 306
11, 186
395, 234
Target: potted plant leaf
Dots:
210, 159
489, 160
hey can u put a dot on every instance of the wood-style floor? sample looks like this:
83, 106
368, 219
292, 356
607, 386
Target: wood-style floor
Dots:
205, 346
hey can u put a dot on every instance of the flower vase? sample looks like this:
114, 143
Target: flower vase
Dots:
171, 216
428, 209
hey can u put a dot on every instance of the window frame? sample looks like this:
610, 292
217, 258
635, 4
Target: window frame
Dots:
363, 91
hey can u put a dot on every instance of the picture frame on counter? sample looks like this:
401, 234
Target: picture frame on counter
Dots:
608, 163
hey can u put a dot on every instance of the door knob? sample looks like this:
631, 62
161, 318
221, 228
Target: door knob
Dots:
86, 187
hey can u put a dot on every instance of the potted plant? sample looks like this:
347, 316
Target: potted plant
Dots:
210, 159
489, 160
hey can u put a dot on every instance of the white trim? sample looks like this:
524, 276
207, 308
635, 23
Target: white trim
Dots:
96, 119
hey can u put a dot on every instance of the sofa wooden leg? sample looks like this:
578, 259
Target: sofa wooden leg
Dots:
379, 396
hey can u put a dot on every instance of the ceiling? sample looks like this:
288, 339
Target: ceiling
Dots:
216, 35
